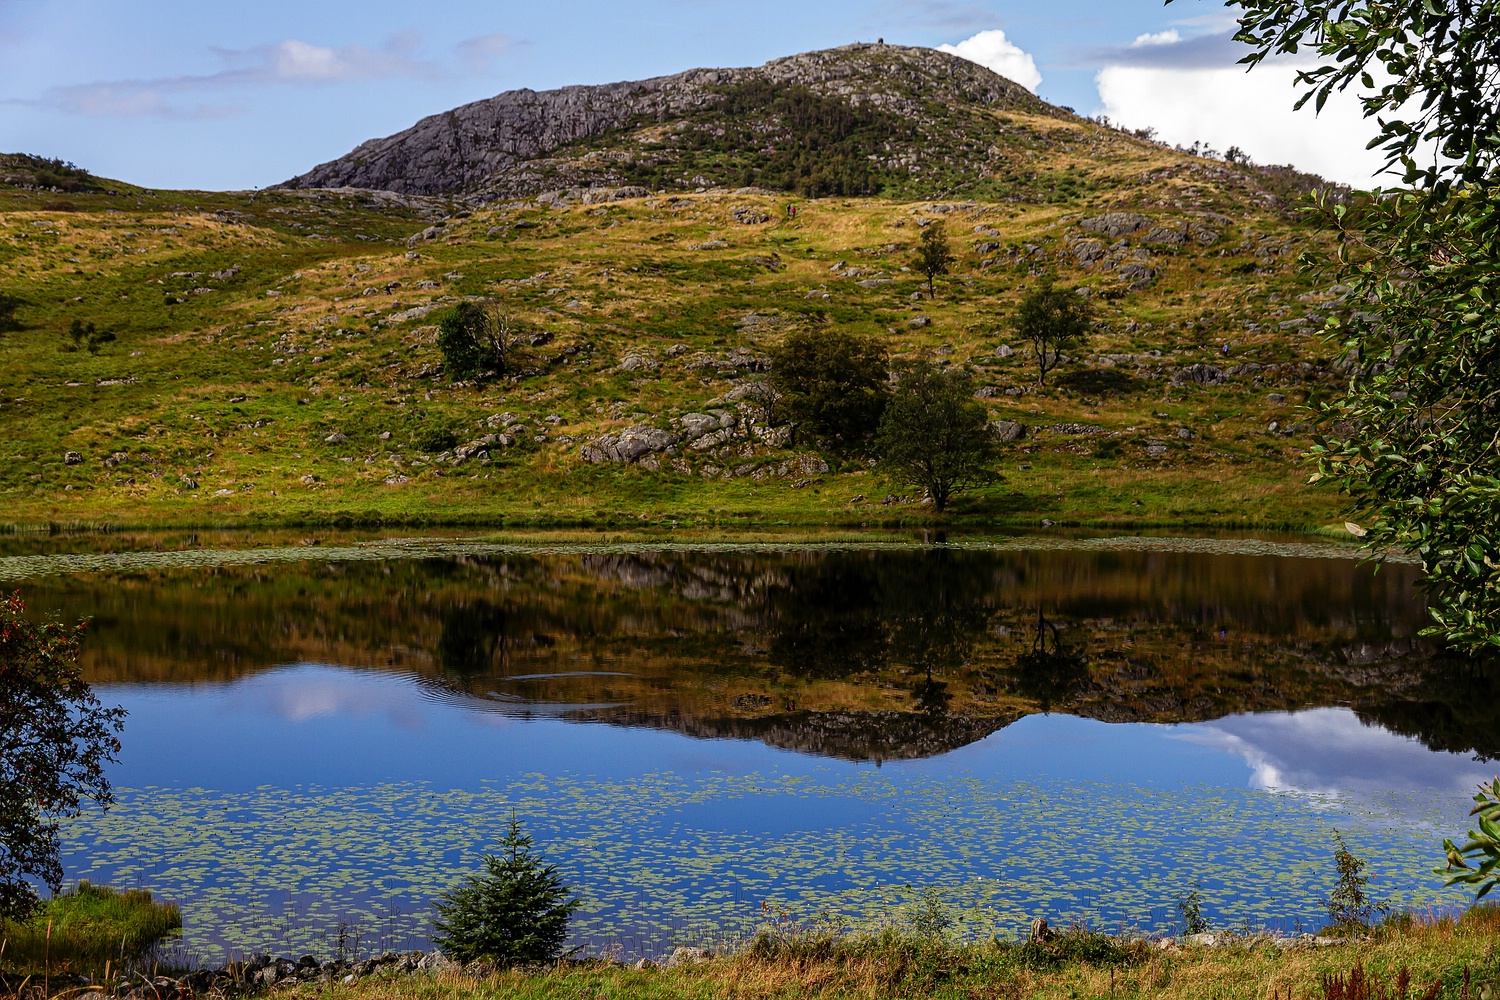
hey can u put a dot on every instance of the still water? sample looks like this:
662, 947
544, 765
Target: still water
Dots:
318, 743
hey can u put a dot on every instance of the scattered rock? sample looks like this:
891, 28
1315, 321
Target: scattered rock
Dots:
1004, 351
1199, 374
116, 459
746, 216
336, 438
629, 445
72, 458
919, 322
637, 362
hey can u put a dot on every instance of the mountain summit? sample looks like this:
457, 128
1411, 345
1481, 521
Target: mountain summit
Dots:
861, 119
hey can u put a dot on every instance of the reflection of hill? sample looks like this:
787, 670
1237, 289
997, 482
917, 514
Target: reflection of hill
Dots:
859, 654
873, 736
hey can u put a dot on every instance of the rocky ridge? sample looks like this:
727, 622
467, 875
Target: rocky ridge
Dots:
517, 144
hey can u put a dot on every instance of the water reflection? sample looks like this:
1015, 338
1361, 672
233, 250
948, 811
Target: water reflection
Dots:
856, 654
636, 708
1331, 750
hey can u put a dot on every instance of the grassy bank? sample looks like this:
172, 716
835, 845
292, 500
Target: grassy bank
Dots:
1457, 957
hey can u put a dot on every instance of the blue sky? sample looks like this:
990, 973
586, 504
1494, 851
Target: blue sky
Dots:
221, 96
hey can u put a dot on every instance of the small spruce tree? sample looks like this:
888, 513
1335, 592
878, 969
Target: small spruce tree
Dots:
515, 912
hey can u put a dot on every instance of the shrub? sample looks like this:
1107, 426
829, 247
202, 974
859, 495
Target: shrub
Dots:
515, 912
1190, 909
833, 385
86, 336
8, 306
474, 340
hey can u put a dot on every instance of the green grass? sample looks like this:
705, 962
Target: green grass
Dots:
82, 930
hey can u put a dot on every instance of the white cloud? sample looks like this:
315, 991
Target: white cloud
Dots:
1169, 37
477, 53
291, 62
993, 50
1165, 85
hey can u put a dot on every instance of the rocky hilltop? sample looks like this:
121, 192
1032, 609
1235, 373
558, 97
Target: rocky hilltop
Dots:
865, 117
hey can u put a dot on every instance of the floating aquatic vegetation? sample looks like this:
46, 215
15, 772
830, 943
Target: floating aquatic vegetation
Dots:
665, 857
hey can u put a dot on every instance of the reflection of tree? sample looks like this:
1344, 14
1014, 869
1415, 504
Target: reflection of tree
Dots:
931, 696
1452, 709
475, 638
937, 604
826, 618
1049, 673
847, 614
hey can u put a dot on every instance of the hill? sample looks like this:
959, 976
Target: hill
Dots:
276, 360
845, 121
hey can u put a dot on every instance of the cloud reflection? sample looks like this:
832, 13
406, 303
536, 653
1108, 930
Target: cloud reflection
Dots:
309, 692
1329, 750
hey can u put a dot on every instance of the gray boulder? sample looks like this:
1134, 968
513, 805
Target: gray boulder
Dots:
686, 955
1007, 430
1199, 374
1087, 251
1137, 276
1117, 224
698, 425
637, 361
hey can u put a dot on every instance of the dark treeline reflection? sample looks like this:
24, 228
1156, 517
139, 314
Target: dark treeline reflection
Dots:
855, 653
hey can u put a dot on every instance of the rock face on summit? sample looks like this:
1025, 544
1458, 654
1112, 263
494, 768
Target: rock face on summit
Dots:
522, 142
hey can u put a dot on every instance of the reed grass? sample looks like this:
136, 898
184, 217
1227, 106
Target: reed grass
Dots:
79, 931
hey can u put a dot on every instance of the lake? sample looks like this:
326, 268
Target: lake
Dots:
321, 739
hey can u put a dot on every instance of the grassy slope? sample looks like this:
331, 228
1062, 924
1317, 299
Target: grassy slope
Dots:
235, 388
